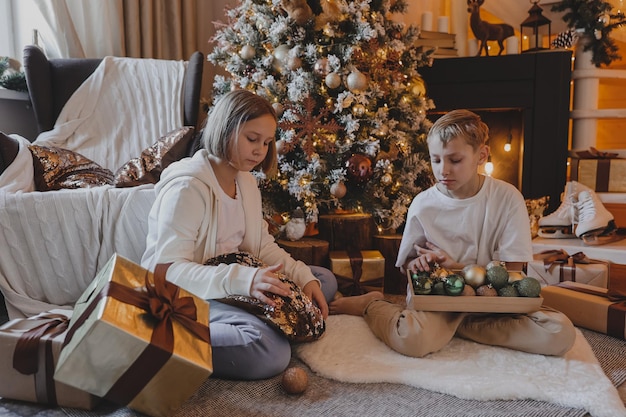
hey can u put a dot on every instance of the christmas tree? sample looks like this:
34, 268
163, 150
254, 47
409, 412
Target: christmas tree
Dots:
343, 77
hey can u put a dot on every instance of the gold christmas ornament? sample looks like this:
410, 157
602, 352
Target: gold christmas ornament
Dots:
278, 108
358, 110
474, 275
295, 380
386, 179
294, 62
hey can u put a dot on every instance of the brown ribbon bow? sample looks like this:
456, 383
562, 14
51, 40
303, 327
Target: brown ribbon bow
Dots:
558, 256
26, 354
593, 153
163, 303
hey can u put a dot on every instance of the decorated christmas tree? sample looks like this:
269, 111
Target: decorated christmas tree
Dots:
343, 76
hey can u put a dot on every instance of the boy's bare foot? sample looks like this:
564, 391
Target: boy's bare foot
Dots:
354, 305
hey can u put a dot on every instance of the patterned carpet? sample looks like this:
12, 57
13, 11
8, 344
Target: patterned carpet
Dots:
325, 397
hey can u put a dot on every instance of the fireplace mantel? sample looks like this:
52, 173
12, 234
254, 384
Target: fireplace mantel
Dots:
536, 83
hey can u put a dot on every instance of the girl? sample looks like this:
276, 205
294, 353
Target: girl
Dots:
210, 205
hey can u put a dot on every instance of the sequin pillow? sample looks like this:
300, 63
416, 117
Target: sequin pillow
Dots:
147, 168
57, 168
536, 208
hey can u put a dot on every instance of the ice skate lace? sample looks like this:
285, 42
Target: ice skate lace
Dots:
586, 210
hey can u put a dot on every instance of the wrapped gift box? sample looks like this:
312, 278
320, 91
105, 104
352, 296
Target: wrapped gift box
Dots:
346, 264
602, 175
587, 306
29, 349
595, 273
116, 348
354, 267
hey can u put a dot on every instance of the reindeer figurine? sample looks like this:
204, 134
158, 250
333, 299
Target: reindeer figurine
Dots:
485, 31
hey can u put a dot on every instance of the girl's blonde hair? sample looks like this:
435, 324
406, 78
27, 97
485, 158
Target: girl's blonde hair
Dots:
225, 120
460, 123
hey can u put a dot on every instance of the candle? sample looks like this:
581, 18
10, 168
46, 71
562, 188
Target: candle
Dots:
427, 21
512, 45
472, 47
442, 24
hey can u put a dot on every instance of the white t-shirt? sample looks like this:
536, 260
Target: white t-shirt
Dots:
232, 223
492, 225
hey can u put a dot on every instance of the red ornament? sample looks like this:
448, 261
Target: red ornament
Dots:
359, 168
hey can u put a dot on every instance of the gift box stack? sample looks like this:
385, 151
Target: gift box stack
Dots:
356, 264
133, 339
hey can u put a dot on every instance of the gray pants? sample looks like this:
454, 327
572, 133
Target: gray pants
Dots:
246, 348
418, 333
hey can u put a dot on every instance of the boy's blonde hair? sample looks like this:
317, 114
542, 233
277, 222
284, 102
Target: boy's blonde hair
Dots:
460, 123
225, 120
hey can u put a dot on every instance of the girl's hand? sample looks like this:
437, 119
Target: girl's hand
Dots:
429, 255
314, 292
266, 281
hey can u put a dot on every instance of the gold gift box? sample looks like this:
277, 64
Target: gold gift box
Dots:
106, 351
602, 175
37, 384
587, 306
373, 264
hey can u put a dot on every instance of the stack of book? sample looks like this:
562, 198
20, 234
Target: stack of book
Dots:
443, 43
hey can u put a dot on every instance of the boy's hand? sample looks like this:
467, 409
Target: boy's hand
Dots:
429, 255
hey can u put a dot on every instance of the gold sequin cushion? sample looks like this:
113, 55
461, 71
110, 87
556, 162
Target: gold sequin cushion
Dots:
295, 315
57, 168
536, 208
147, 168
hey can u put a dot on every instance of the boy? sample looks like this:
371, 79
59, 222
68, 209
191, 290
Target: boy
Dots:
465, 218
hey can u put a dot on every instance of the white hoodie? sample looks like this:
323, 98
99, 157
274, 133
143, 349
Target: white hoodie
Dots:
182, 228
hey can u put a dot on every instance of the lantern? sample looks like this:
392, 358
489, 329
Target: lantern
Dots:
535, 28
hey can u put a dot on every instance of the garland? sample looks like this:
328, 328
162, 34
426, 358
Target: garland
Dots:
593, 18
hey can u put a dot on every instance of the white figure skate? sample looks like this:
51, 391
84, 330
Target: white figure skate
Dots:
560, 223
596, 225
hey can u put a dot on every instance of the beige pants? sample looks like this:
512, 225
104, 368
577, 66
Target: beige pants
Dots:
418, 333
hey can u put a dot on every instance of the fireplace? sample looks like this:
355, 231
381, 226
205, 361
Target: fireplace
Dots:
525, 99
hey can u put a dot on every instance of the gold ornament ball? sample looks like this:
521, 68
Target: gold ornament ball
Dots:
333, 80
247, 52
338, 189
386, 179
295, 380
281, 147
358, 110
357, 81
294, 63
278, 108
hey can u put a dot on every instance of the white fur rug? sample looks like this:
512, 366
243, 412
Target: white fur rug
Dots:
349, 352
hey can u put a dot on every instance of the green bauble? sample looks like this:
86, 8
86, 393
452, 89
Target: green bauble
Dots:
453, 284
497, 276
438, 288
422, 283
528, 287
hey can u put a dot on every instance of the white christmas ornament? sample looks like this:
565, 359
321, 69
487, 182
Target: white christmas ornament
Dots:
357, 81
280, 147
295, 228
247, 52
333, 80
338, 189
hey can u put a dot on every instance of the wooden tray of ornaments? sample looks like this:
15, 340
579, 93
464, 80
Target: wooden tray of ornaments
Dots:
470, 303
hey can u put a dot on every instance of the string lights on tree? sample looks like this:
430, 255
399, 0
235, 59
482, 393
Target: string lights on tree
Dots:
344, 79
